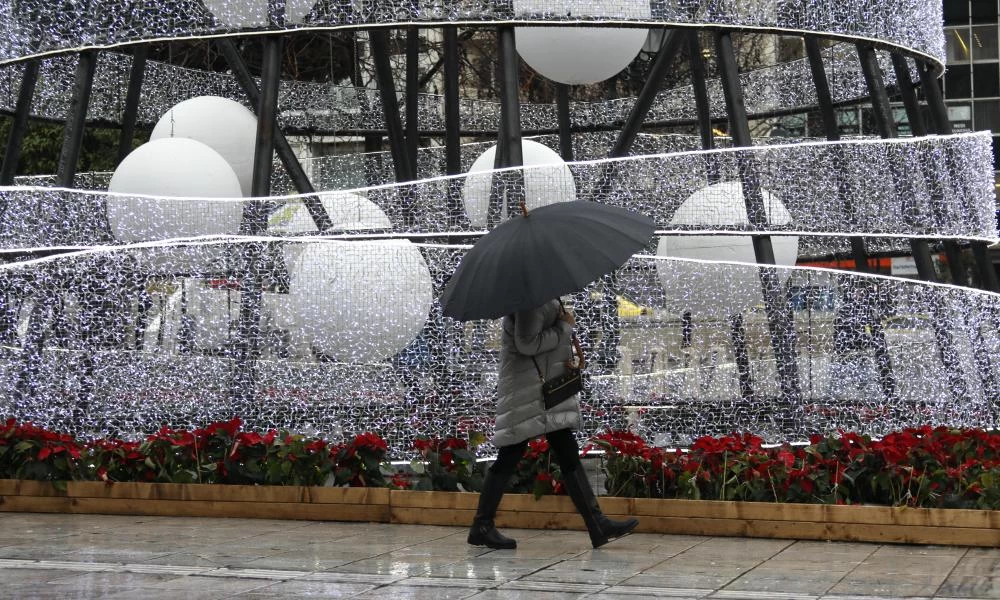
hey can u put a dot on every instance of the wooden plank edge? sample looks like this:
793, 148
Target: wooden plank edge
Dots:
185, 508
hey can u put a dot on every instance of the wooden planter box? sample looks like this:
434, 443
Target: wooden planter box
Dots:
197, 500
698, 517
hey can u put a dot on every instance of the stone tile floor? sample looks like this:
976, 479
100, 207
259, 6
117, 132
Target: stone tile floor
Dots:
116, 557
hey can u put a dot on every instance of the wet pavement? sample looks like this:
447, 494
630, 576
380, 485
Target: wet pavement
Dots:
99, 556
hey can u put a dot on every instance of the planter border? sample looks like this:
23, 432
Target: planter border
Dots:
694, 517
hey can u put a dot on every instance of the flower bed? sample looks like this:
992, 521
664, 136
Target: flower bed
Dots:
921, 467
729, 485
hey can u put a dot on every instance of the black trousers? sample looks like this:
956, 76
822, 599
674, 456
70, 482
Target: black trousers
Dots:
561, 441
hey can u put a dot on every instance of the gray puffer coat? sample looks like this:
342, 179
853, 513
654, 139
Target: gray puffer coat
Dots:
521, 415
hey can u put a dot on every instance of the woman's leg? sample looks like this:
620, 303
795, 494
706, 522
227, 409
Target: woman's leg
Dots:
601, 528
484, 531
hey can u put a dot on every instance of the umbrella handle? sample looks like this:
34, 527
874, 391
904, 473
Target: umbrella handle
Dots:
579, 353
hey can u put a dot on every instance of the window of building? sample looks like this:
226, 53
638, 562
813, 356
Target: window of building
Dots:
958, 81
983, 43
956, 11
986, 80
983, 10
960, 116
986, 115
958, 45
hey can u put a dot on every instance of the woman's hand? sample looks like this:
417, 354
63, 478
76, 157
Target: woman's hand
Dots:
565, 315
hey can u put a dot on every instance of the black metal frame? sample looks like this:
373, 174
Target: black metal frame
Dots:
920, 248
295, 171
904, 85
942, 125
76, 119
137, 74
453, 126
19, 127
781, 324
887, 380
246, 349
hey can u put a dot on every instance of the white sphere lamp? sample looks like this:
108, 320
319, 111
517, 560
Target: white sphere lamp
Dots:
580, 55
700, 289
347, 212
224, 125
359, 302
241, 14
549, 182
173, 188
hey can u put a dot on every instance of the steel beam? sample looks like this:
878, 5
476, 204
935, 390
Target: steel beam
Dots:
285, 153
132, 97
22, 112
781, 322
942, 125
76, 119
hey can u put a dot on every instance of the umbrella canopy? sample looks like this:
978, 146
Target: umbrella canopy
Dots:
552, 251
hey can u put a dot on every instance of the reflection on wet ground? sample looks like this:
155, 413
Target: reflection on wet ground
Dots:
100, 556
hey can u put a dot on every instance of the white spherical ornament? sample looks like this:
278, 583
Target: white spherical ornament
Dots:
347, 212
359, 302
224, 125
542, 185
701, 288
580, 55
185, 181
240, 14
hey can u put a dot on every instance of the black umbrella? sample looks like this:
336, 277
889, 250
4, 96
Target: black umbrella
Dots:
551, 251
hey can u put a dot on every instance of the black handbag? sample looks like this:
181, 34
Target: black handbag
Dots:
562, 388
559, 389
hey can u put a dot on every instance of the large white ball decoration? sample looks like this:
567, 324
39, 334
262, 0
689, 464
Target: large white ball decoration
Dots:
347, 212
359, 302
224, 125
239, 14
542, 185
704, 289
580, 55
171, 188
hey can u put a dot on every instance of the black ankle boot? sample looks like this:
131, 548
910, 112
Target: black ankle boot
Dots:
483, 531
602, 529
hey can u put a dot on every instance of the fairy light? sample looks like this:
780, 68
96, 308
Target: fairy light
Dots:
141, 334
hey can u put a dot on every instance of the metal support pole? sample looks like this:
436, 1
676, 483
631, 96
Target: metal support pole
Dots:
20, 125
76, 119
565, 134
921, 251
702, 102
132, 97
509, 152
390, 105
883, 361
412, 96
657, 71
904, 84
942, 125
882, 112
738, 334
781, 322
939, 118
295, 171
453, 128
247, 347
825, 100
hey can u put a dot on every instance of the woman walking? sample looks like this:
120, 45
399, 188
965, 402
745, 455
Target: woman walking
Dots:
537, 345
